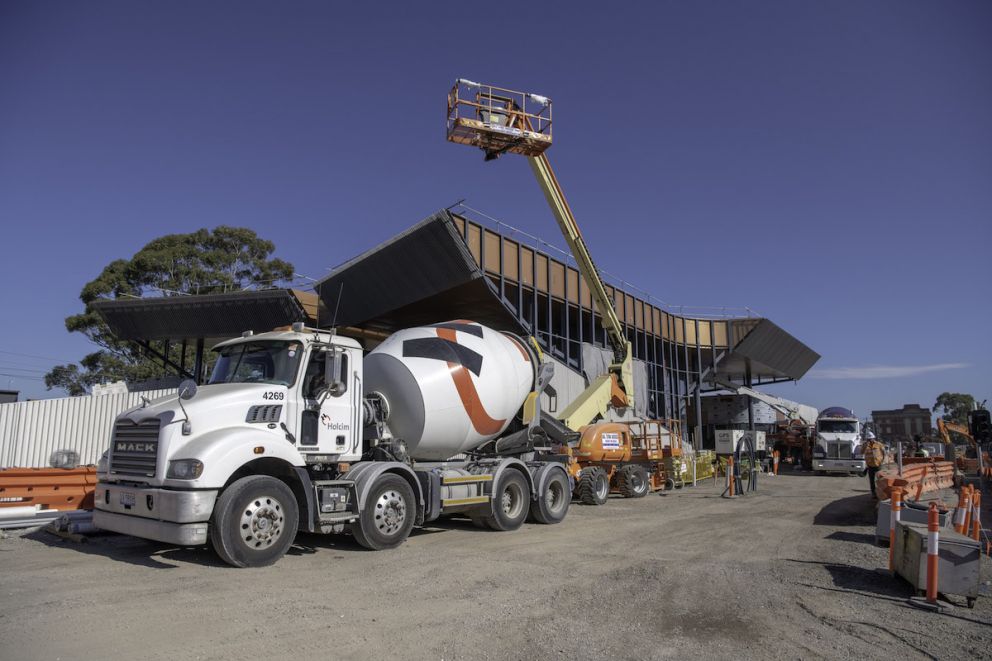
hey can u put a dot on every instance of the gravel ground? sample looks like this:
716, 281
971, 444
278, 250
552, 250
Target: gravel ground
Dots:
786, 573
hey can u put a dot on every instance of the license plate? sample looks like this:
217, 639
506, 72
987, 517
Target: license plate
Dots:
127, 499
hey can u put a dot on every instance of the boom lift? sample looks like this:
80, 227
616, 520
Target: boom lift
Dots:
501, 121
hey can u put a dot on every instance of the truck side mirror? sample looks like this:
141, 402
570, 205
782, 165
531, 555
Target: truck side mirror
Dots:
335, 367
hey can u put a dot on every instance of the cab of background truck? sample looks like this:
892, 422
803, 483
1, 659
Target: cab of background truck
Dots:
837, 434
287, 395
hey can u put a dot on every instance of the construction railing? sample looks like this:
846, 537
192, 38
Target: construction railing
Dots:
51, 488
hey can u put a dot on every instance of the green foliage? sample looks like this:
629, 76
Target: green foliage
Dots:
202, 262
954, 406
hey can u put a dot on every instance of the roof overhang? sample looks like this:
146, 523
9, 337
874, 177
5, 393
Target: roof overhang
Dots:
207, 316
764, 352
423, 275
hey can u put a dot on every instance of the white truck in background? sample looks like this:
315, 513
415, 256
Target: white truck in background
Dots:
838, 440
298, 431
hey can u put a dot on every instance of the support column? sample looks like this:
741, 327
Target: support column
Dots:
198, 362
750, 401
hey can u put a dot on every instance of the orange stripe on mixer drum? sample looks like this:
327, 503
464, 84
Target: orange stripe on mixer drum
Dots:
481, 420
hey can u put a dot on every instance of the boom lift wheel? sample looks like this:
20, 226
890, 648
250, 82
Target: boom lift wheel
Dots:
594, 486
552, 505
254, 521
511, 501
388, 514
633, 481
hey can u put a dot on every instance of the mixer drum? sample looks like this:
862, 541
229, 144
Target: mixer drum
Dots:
451, 386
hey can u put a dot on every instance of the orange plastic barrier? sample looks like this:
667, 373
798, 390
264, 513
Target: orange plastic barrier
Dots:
918, 477
53, 488
933, 552
976, 516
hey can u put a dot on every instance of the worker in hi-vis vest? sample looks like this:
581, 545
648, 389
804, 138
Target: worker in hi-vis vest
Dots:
874, 454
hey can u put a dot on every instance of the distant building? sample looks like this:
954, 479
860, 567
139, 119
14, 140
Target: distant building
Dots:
8, 396
902, 424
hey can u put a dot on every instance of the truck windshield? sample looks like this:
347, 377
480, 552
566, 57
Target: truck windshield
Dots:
258, 362
838, 426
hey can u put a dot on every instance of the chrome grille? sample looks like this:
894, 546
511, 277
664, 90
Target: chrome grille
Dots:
134, 450
264, 413
838, 450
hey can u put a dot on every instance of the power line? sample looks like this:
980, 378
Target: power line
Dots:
6, 362
28, 355
21, 376
23, 369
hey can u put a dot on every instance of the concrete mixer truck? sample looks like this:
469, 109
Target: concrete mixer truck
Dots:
297, 430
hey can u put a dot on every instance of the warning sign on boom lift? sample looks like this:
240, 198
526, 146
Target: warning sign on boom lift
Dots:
611, 441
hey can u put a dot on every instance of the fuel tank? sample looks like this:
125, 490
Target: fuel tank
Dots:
450, 387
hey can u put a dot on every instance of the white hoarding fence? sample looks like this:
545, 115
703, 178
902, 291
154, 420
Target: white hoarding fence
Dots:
31, 431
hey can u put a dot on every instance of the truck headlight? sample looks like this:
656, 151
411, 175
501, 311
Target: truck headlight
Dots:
185, 469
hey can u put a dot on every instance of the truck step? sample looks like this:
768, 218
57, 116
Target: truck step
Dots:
338, 517
474, 500
465, 479
332, 483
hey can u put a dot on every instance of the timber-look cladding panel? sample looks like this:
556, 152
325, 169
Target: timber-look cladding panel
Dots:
502, 256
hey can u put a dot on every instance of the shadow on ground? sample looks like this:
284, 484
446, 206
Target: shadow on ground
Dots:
851, 511
131, 550
157, 555
868, 582
845, 536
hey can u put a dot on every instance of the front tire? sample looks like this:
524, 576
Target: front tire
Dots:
552, 505
510, 502
254, 521
388, 514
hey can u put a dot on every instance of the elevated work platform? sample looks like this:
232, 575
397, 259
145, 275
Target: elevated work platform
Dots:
498, 120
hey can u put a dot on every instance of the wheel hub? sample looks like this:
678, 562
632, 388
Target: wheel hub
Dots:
553, 496
262, 522
510, 501
604, 487
390, 512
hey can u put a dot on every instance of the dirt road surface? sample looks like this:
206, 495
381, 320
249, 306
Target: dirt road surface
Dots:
786, 573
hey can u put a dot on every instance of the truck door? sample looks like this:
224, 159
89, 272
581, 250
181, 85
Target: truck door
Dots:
332, 392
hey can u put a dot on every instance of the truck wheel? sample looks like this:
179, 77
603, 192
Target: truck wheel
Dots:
552, 506
593, 486
633, 481
511, 501
388, 514
254, 521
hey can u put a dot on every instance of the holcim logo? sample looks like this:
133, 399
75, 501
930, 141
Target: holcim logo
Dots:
334, 426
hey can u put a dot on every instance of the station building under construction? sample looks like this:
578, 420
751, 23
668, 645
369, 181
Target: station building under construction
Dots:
453, 266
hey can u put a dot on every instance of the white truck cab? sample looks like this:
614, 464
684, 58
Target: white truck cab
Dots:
838, 438
286, 436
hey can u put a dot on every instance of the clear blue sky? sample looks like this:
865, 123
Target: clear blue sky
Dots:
828, 164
